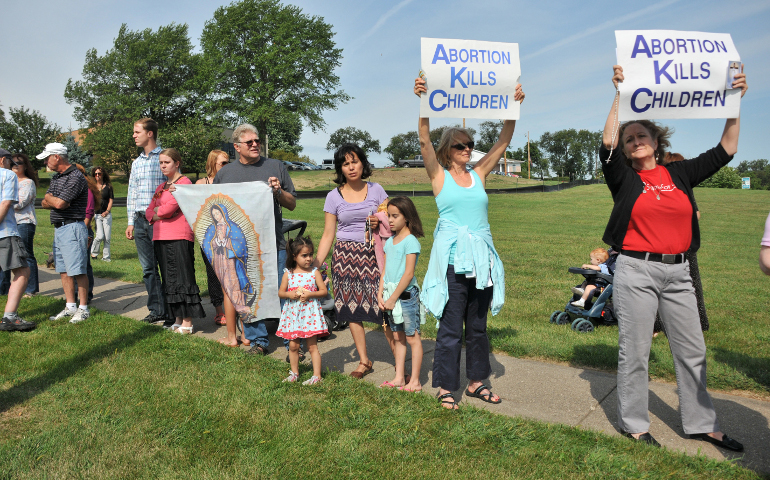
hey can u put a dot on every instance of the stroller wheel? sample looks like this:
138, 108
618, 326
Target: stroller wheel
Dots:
576, 323
562, 318
554, 315
584, 327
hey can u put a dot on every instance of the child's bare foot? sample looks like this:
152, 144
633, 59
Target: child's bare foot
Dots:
411, 387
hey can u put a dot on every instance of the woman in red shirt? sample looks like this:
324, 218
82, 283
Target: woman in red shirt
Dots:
172, 239
653, 224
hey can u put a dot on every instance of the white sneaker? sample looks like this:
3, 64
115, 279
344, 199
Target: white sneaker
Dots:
578, 291
63, 314
579, 303
79, 316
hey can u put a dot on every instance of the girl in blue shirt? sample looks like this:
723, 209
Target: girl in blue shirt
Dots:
399, 296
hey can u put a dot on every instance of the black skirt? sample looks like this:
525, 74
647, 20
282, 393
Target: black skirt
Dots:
176, 259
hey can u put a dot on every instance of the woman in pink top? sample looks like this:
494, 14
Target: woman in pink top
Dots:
172, 239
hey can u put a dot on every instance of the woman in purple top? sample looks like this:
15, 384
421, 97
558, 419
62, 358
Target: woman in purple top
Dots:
355, 274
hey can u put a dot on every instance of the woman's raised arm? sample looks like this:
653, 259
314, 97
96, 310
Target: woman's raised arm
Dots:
432, 167
733, 125
612, 125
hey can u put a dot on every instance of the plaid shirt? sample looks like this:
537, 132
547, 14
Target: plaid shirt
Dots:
145, 178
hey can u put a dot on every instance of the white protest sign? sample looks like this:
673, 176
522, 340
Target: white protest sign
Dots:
672, 74
470, 79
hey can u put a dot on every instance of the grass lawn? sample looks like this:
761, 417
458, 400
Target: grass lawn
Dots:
115, 398
538, 236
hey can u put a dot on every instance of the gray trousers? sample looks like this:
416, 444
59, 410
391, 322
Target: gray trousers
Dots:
642, 288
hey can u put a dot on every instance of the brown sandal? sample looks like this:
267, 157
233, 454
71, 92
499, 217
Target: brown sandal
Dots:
368, 368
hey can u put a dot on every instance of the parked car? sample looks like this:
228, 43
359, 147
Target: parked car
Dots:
303, 166
412, 162
289, 165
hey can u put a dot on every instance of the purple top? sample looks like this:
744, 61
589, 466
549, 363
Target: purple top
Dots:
351, 217
90, 204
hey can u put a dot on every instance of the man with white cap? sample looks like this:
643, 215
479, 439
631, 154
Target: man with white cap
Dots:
67, 197
13, 255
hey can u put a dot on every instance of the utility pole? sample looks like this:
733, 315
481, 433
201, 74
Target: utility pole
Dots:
529, 159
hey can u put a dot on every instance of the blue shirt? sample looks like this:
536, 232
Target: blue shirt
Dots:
395, 258
9, 191
145, 178
463, 205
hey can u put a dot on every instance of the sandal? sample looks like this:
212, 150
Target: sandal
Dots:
485, 397
388, 384
184, 330
368, 368
447, 401
220, 319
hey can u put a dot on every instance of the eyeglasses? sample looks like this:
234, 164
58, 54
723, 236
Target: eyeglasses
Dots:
463, 146
97, 173
250, 143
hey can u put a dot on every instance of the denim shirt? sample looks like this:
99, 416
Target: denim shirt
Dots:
474, 251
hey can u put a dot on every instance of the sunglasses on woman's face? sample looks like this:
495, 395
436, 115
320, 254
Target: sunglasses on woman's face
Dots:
463, 146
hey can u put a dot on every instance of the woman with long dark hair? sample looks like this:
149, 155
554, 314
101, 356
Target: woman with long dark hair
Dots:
103, 213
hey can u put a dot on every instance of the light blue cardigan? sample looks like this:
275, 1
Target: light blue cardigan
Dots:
472, 250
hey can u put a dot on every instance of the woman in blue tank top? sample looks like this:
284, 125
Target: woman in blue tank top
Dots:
465, 275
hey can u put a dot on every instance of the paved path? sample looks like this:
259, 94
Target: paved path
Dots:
531, 389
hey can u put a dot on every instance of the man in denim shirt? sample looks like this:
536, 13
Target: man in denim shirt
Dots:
145, 178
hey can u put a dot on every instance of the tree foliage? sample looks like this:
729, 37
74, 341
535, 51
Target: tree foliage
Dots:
290, 157
76, 154
112, 145
284, 133
489, 133
194, 140
27, 132
571, 152
353, 135
264, 60
758, 171
146, 74
726, 177
403, 146
539, 165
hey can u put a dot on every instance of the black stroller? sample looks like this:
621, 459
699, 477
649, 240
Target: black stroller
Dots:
598, 309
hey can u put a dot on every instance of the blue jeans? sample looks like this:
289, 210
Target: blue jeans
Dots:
27, 234
257, 331
156, 301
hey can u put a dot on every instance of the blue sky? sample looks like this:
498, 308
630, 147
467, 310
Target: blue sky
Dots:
567, 51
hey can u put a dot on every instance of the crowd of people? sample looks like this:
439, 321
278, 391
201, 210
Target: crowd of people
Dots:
374, 246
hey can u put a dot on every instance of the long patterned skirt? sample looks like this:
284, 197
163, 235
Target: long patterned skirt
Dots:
356, 279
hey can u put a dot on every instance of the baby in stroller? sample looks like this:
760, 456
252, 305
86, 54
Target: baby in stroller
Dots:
602, 261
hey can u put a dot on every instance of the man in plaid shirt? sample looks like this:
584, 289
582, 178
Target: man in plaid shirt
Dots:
145, 178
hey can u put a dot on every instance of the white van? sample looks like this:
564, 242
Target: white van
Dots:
328, 164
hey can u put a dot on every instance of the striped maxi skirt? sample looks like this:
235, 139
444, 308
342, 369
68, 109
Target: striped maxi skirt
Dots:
356, 280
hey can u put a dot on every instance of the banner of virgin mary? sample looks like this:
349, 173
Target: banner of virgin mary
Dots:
236, 231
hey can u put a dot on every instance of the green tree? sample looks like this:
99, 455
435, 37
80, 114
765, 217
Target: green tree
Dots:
27, 132
726, 177
353, 135
76, 154
539, 161
194, 140
284, 133
489, 133
570, 152
402, 146
264, 60
290, 157
758, 171
112, 145
146, 74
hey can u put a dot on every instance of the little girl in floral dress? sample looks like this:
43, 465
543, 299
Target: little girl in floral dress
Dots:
301, 316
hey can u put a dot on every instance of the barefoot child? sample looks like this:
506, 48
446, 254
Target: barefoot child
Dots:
301, 316
399, 296
599, 258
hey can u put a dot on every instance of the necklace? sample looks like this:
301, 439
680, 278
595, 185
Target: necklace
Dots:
615, 122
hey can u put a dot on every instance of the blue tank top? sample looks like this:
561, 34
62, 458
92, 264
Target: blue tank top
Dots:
463, 205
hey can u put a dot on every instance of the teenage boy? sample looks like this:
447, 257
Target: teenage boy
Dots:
145, 178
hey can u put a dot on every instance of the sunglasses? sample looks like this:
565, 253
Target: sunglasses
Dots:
250, 143
463, 146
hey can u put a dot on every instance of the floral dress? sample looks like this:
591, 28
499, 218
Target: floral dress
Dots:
301, 319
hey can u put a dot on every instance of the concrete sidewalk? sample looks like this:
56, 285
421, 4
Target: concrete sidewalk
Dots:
537, 390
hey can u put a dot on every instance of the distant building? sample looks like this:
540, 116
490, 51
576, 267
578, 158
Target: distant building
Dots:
505, 166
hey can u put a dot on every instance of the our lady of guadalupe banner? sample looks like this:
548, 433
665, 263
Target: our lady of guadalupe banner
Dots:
236, 231
470, 79
673, 74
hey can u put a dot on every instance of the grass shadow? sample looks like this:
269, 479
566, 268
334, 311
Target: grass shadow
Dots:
758, 369
30, 388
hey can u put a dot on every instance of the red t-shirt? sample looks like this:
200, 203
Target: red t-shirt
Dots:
659, 225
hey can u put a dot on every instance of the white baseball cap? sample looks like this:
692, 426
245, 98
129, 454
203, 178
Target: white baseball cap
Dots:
52, 149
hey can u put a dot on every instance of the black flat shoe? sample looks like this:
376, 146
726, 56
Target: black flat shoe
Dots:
726, 442
645, 437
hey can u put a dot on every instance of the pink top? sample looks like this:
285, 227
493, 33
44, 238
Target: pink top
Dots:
766, 236
172, 224
90, 204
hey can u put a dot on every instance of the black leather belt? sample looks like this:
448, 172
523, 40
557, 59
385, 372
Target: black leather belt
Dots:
669, 258
65, 222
